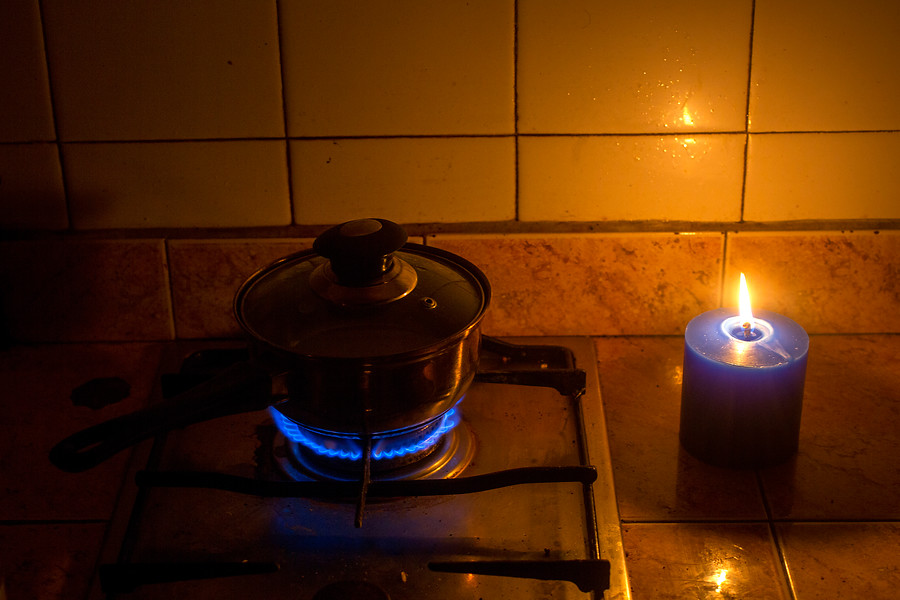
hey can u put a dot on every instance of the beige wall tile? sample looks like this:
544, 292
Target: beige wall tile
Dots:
207, 273
85, 290
24, 87
593, 284
859, 559
630, 178
825, 66
31, 187
829, 282
668, 561
177, 184
398, 67
164, 69
641, 67
407, 180
823, 176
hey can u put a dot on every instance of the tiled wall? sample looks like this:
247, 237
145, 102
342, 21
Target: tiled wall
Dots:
154, 153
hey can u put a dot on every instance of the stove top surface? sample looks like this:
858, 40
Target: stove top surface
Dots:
538, 540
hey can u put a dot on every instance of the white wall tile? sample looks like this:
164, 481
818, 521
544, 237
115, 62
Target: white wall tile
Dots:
585, 178
825, 66
398, 67
31, 187
24, 87
408, 180
650, 66
177, 184
630, 111
164, 69
823, 176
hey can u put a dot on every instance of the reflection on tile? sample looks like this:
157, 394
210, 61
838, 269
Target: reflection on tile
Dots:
829, 282
640, 381
709, 561
593, 284
694, 178
645, 67
384, 67
37, 413
822, 176
825, 66
846, 560
164, 69
178, 184
849, 437
93, 290
25, 91
31, 187
206, 274
48, 562
407, 180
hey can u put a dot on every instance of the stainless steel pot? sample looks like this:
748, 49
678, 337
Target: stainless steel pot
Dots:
363, 334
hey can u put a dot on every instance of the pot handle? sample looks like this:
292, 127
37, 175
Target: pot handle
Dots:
243, 387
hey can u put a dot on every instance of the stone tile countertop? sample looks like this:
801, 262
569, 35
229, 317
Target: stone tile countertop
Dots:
824, 525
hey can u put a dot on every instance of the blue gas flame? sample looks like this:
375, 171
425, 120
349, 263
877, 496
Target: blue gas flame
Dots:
349, 448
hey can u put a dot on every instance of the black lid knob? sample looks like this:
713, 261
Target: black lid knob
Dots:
361, 251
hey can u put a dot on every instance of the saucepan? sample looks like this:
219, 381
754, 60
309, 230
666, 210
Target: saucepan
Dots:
361, 335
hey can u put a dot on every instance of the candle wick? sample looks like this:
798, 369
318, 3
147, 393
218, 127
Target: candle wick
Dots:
746, 327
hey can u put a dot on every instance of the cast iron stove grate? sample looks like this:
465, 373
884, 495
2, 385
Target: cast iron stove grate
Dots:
501, 363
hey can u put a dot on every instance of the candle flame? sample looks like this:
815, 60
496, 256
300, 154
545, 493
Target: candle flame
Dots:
744, 305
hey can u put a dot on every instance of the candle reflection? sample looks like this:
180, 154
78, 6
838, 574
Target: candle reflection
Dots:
720, 578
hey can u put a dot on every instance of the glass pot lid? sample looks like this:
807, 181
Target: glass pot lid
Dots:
362, 292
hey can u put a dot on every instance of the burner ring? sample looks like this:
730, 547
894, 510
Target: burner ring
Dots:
445, 457
389, 449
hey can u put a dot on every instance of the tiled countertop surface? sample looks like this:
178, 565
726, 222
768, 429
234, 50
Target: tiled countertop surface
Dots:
52, 523
825, 525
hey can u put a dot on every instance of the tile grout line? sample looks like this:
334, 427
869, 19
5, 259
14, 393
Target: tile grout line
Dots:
838, 227
779, 549
515, 99
167, 264
39, 522
56, 139
747, 111
738, 520
598, 336
284, 117
746, 155
515, 134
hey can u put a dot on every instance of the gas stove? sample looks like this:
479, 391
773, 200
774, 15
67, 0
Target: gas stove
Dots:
508, 495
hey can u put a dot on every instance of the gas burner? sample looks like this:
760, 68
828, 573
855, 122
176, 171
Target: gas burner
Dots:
440, 448
525, 518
